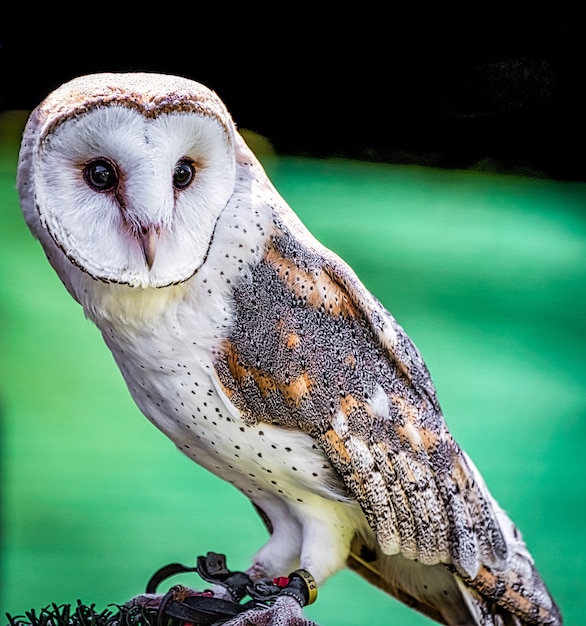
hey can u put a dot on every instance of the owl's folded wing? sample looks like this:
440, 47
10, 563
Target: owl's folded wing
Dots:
417, 488
312, 349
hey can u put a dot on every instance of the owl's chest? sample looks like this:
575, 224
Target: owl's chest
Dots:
174, 386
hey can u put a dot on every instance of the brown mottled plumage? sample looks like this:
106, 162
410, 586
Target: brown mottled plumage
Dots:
262, 355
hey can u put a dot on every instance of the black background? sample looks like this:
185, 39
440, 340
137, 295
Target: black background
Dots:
496, 89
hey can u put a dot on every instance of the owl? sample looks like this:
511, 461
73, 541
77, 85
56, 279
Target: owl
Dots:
261, 355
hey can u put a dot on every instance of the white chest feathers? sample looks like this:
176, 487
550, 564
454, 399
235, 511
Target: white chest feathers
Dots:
168, 367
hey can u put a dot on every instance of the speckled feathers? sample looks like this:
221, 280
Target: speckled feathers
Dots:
261, 355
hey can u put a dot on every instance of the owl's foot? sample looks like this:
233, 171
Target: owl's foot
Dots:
234, 586
285, 611
279, 602
275, 602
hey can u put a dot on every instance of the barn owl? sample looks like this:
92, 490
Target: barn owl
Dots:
261, 355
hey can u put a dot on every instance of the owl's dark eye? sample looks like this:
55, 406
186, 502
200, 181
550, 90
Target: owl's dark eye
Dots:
183, 173
101, 175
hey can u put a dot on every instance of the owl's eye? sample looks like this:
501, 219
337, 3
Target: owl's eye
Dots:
183, 173
101, 175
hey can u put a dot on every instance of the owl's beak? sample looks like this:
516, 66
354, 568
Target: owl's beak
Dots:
149, 238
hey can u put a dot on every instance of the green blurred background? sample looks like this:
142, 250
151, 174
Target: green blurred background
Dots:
486, 272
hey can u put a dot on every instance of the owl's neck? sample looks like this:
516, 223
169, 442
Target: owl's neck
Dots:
109, 304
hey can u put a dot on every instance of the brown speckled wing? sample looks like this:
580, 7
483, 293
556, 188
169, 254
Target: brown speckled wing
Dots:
312, 349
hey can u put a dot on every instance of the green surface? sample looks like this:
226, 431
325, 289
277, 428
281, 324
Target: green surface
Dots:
488, 275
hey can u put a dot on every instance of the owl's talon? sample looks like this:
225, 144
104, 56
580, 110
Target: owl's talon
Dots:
284, 611
302, 586
263, 591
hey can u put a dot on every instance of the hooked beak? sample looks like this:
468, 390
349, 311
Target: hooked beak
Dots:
149, 237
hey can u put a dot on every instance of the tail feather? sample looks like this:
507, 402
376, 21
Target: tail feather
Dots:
510, 595
517, 588
490, 614
515, 597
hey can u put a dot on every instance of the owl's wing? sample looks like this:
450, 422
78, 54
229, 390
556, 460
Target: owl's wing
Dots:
312, 349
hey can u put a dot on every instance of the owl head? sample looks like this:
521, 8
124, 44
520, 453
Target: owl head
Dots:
123, 176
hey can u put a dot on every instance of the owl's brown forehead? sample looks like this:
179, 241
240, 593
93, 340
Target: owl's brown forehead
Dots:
151, 95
